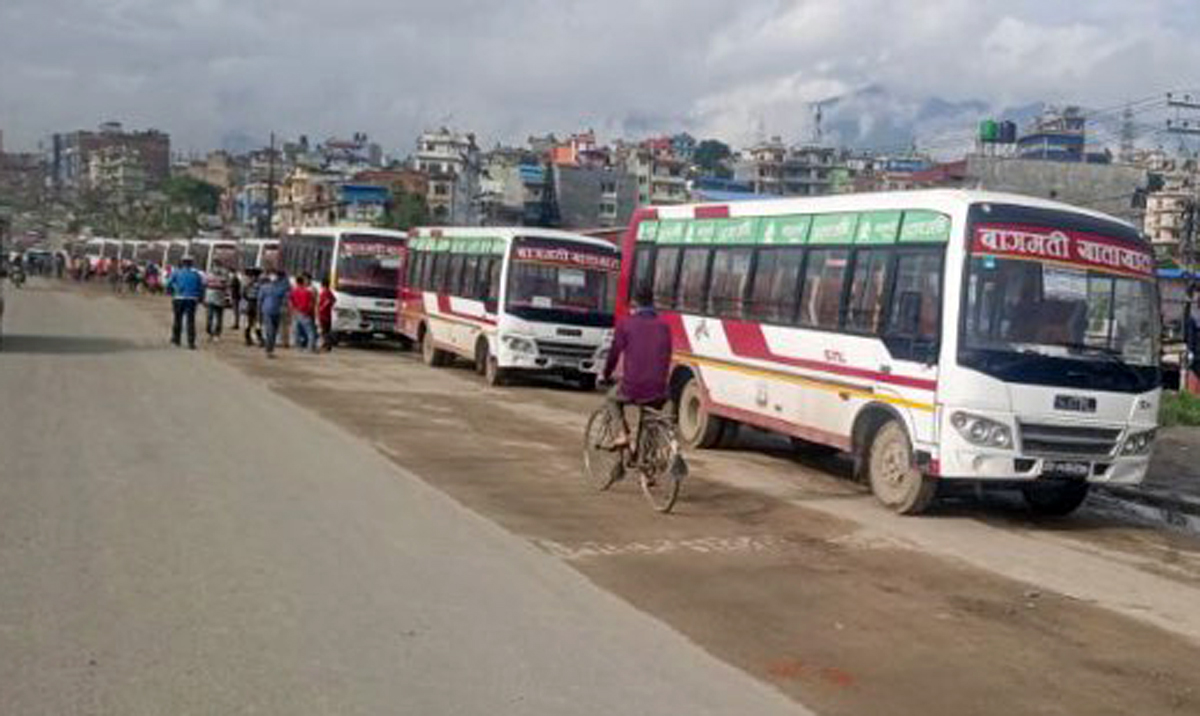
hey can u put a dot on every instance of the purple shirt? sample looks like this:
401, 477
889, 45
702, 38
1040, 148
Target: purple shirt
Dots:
645, 343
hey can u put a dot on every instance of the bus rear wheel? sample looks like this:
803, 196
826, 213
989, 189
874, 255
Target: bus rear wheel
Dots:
1057, 498
697, 427
432, 355
895, 479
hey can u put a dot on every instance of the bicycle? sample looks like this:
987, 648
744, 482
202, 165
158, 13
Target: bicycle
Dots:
654, 453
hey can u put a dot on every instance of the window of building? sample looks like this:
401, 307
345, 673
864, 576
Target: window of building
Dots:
608, 187
693, 280
730, 279
774, 292
865, 308
440, 190
666, 276
824, 278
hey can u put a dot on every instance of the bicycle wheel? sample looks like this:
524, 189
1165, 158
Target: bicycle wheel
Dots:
601, 466
661, 466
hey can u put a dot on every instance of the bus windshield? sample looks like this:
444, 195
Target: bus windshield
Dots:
1065, 296
562, 282
369, 265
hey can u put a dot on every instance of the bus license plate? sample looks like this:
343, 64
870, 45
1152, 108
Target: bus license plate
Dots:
1066, 469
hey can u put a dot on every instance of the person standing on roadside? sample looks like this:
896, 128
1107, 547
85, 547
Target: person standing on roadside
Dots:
304, 311
325, 304
216, 295
272, 297
187, 290
235, 299
250, 305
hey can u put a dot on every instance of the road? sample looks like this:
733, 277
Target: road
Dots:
358, 533
175, 539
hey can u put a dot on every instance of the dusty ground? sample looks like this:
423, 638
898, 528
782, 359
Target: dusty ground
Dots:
788, 571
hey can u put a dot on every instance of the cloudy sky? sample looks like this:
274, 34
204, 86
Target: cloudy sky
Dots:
204, 69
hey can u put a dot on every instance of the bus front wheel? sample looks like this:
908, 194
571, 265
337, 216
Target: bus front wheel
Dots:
697, 427
896, 481
1054, 498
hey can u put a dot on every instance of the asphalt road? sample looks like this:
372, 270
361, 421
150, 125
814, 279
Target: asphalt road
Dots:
177, 539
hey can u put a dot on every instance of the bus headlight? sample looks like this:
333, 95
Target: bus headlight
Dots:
517, 344
982, 431
1138, 443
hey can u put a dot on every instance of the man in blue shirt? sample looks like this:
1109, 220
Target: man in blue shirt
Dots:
272, 297
186, 287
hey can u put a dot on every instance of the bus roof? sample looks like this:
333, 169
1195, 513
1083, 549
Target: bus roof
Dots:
934, 199
341, 230
508, 233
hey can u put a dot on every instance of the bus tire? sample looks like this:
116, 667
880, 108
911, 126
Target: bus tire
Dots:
482, 352
697, 427
493, 374
1054, 498
895, 479
433, 356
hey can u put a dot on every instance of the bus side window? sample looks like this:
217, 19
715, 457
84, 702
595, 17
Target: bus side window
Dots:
470, 280
454, 275
775, 288
824, 279
730, 279
864, 310
693, 280
666, 276
427, 271
491, 300
643, 268
912, 327
437, 280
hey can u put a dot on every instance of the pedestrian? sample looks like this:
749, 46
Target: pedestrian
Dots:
187, 290
216, 295
250, 305
235, 299
325, 304
272, 297
114, 277
304, 312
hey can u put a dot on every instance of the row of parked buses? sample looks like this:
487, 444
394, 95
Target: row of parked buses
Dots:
233, 254
941, 338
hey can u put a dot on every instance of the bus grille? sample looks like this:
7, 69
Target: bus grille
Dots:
573, 351
1068, 441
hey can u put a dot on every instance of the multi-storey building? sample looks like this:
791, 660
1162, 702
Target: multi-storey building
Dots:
69, 155
116, 172
771, 167
452, 163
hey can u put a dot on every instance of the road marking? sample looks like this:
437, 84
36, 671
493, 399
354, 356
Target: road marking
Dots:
699, 545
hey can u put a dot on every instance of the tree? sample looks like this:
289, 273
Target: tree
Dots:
199, 196
711, 157
406, 211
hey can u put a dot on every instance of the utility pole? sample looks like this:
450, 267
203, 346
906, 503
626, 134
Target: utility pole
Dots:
270, 232
1127, 135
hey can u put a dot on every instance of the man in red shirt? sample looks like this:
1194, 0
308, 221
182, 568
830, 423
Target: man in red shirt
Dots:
643, 340
325, 314
304, 308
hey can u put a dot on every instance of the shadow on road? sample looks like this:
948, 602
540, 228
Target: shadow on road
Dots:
65, 345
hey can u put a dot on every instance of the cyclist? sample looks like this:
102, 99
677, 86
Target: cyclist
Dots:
642, 344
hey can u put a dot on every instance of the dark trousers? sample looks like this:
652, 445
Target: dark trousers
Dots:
214, 320
271, 322
185, 313
327, 334
252, 328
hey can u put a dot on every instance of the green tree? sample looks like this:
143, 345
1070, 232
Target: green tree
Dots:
406, 211
712, 156
199, 196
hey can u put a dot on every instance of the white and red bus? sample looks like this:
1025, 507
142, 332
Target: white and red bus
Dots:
262, 254
364, 267
940, 337
511, 299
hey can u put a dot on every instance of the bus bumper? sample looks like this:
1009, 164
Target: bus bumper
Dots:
984, 466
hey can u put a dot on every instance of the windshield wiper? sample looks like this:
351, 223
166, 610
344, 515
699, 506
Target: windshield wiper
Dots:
1111, 355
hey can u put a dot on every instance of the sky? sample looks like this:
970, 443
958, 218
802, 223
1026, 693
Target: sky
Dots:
205, 70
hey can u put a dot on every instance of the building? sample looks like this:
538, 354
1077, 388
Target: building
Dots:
587, 197
308, 197
453, 164
69, 155
1060, 135
361, 204
661, 177
116, 172
1110, 188
22, 177
350, 155
396, 181
773, 168
514, 189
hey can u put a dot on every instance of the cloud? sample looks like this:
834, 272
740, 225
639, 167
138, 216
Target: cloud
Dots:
205, 68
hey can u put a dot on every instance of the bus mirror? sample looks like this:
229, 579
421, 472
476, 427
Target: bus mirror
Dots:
909, 314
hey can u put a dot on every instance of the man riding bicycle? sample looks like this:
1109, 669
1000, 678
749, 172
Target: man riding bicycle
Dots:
642, 344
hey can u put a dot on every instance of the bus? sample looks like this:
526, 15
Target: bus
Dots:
515, 299
209, 253
177, 249
102, 253
260, 254
364, 267
940, 337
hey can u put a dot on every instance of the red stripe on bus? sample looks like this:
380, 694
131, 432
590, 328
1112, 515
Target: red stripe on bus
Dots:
747, 340
719, 211
679, 336
444, 307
